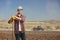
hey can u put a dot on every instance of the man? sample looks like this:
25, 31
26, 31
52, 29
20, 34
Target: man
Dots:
18, 24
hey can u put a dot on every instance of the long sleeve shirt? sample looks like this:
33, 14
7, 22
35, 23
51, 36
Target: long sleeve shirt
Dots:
18, 24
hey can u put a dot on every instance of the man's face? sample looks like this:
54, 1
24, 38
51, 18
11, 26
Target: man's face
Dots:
20, 11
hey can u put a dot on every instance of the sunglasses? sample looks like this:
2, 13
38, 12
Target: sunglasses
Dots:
19, 9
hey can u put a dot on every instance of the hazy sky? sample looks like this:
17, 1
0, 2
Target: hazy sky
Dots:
33, 9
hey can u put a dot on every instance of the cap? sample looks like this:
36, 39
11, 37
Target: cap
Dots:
20, 7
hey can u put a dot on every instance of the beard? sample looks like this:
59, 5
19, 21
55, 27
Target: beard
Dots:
19, 14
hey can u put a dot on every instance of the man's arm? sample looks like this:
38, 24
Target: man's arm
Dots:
17, 18
21, 19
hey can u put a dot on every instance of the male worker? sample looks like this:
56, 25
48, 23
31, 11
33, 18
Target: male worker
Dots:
18, 24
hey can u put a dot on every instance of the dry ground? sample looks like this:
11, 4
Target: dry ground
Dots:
32, 35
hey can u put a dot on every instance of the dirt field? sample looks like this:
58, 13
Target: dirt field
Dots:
32, 35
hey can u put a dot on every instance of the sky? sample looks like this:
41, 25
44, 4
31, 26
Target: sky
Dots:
34, 10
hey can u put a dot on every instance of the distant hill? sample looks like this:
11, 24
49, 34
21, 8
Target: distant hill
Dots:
53, 21
49, 21
3, 20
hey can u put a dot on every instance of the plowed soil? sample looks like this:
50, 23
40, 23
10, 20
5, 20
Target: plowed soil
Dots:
32, 35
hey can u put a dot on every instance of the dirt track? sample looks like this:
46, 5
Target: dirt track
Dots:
32, 35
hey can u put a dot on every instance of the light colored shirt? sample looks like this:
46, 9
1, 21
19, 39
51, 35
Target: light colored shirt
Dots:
19, 26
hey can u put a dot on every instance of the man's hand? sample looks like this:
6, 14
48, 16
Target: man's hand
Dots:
18, 18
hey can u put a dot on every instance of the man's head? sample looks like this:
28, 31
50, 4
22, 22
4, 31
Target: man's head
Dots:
20, 9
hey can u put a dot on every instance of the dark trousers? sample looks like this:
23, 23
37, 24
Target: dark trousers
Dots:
20, 35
